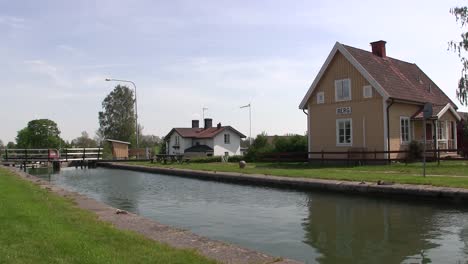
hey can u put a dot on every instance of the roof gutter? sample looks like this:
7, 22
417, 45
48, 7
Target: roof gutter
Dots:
388, 124
303, 110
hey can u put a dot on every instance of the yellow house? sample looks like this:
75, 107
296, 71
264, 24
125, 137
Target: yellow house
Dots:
368, 101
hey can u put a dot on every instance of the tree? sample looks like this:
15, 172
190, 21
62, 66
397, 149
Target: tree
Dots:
290, 143
149, 141
11, 145
1, 144
117, 120
162, 146
259, 146
39, 133
461, 47
84, 141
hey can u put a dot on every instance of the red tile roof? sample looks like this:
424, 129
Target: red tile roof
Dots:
435, 110
400, 79
202, 132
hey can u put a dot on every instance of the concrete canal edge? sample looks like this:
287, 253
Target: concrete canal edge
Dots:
178, 238
425, 192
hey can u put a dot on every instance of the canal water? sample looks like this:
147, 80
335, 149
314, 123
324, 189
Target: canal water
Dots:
313, 227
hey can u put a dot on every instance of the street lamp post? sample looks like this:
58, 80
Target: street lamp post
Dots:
136, 105
250, 122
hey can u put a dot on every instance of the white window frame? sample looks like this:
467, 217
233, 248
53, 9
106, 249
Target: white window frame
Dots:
339, 84
227, 138
338, 121
177, 140
320, 97
408, 130
441, 130
367, 88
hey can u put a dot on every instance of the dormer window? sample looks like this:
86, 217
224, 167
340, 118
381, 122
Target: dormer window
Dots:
320, 97
343, 90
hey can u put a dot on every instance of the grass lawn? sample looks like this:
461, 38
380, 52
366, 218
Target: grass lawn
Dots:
449, 173
40, 227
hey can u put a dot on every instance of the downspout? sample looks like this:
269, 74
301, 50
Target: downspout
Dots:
388, 126
303, 110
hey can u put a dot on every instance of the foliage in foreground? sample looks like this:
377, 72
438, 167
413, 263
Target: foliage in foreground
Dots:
461, 47
39, 227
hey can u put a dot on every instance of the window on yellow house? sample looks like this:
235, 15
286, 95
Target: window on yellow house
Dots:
404, 129
344, 132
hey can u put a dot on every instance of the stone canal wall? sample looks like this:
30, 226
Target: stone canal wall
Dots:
220, 251
428, 192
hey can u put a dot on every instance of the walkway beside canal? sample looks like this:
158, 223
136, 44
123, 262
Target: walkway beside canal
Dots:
456, 195
174, 237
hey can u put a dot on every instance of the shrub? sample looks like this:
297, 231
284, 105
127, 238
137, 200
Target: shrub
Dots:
212, 159
415, 151
236, 158
205, 159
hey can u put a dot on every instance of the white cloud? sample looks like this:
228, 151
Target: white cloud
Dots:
53, 72
13, 22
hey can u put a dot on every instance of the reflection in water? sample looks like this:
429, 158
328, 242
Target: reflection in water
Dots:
371, 231
312, 227
351, 229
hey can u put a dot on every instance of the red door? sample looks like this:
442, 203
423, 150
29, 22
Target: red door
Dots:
428, 132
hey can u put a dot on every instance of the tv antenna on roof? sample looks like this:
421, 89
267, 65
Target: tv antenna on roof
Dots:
203, 110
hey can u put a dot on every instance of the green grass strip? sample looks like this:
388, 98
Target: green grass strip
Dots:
448, 174
40, 227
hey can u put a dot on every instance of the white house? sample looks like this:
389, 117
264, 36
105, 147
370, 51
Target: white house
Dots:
206, 141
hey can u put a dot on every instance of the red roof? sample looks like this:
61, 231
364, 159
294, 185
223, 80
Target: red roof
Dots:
435, 110
202, 132
400, 79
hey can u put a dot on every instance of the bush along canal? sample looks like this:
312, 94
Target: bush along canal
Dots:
313, 227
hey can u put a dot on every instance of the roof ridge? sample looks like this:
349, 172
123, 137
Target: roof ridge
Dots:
386, 57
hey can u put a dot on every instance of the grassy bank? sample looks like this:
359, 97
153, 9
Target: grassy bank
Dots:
40, 227
449, 173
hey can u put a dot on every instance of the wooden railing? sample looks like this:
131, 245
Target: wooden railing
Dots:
361, 156
42, 155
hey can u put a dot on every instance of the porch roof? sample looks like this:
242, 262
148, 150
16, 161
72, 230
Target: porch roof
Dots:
437, 112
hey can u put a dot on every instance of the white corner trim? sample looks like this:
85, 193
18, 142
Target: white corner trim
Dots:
385, 132
449, 107
339, 47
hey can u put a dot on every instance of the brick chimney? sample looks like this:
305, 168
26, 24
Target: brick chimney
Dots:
208, 123
195, 123
378, 48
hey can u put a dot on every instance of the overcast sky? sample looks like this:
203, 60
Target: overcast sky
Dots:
185, 55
